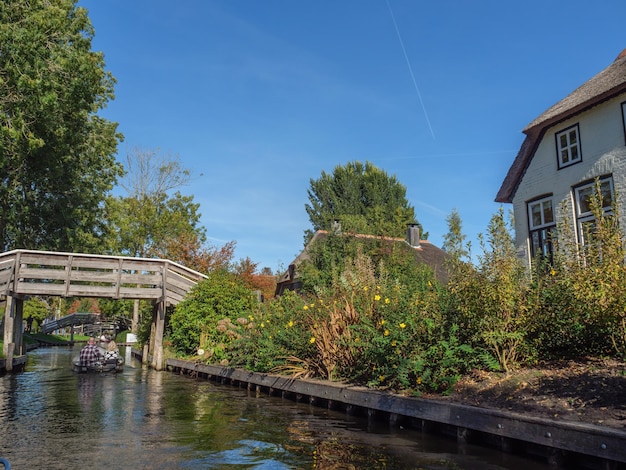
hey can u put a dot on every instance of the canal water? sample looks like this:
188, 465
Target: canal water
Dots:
53, 418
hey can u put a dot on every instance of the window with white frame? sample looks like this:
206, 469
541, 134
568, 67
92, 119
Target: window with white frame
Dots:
568, 146
583, 195
541, 225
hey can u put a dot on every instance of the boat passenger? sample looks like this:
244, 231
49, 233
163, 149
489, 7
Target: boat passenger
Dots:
90, 354
112, 351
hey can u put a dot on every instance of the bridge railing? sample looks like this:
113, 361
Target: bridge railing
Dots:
29, 272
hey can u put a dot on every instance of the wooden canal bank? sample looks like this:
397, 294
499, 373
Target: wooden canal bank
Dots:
561, 443
17, 365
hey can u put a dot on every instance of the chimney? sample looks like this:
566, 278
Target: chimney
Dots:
413, 235
335, 227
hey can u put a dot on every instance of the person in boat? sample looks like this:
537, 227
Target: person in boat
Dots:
112, 351
90, 354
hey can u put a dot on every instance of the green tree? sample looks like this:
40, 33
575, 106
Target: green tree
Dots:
454, 241
36, 309
57, 156
363, 198
151, 215
151, 221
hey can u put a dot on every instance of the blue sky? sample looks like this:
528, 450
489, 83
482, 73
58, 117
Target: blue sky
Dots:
259, 96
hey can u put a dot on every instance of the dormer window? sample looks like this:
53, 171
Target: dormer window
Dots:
568, 146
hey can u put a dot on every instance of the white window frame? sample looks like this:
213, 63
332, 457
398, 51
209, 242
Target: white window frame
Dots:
540, 231
624, 119
584, 216
568, 149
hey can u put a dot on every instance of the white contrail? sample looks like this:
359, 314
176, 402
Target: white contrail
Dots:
406, 57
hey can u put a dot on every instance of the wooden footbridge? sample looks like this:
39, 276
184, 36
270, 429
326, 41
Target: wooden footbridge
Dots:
24, 273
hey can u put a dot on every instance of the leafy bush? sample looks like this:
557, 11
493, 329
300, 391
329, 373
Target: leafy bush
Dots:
206, 319
278, 339
491, 302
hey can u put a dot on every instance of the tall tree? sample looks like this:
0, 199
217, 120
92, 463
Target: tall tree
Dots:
363, 198
152, 215
454, 240
57, 157
151, 221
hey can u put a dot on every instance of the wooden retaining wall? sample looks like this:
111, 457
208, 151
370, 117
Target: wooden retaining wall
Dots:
559, 442
19, 363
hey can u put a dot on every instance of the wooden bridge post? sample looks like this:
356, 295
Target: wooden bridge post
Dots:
159, 328
13, 328
8, 328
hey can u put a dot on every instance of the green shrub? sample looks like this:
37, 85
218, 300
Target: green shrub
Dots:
207, 318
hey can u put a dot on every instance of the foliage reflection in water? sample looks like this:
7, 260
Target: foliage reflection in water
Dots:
140, 418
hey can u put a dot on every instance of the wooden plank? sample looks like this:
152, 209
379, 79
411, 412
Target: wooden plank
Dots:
44, 258
78, 290
91, 262
141, 265
41, 274
139, 293
177, 280
174, 299
93, 276
186, 273
118, 281
40, 288
7, 263
149, 279
68, 270
177, 291
6, 274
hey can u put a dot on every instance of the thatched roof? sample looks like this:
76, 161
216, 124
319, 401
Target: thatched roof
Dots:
426, 253
605, 85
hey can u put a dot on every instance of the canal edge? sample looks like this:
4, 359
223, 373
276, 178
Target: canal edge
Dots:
511, 432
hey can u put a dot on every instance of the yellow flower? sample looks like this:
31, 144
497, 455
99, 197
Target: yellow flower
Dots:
312, 340
262, 325
393, 343
386, 333
377, 297
419, 380
402, 325
312, 305
290, 324
381, 378
552, 272
251, 317
382, 322
306, 307
365, 288
386, 300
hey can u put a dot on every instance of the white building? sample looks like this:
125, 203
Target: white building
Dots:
579, 139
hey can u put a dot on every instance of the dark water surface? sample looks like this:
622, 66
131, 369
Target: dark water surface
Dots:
53, 418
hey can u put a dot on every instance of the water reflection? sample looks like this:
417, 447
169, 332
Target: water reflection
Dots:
54, 418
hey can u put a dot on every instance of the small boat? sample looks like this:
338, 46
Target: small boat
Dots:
102, 366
